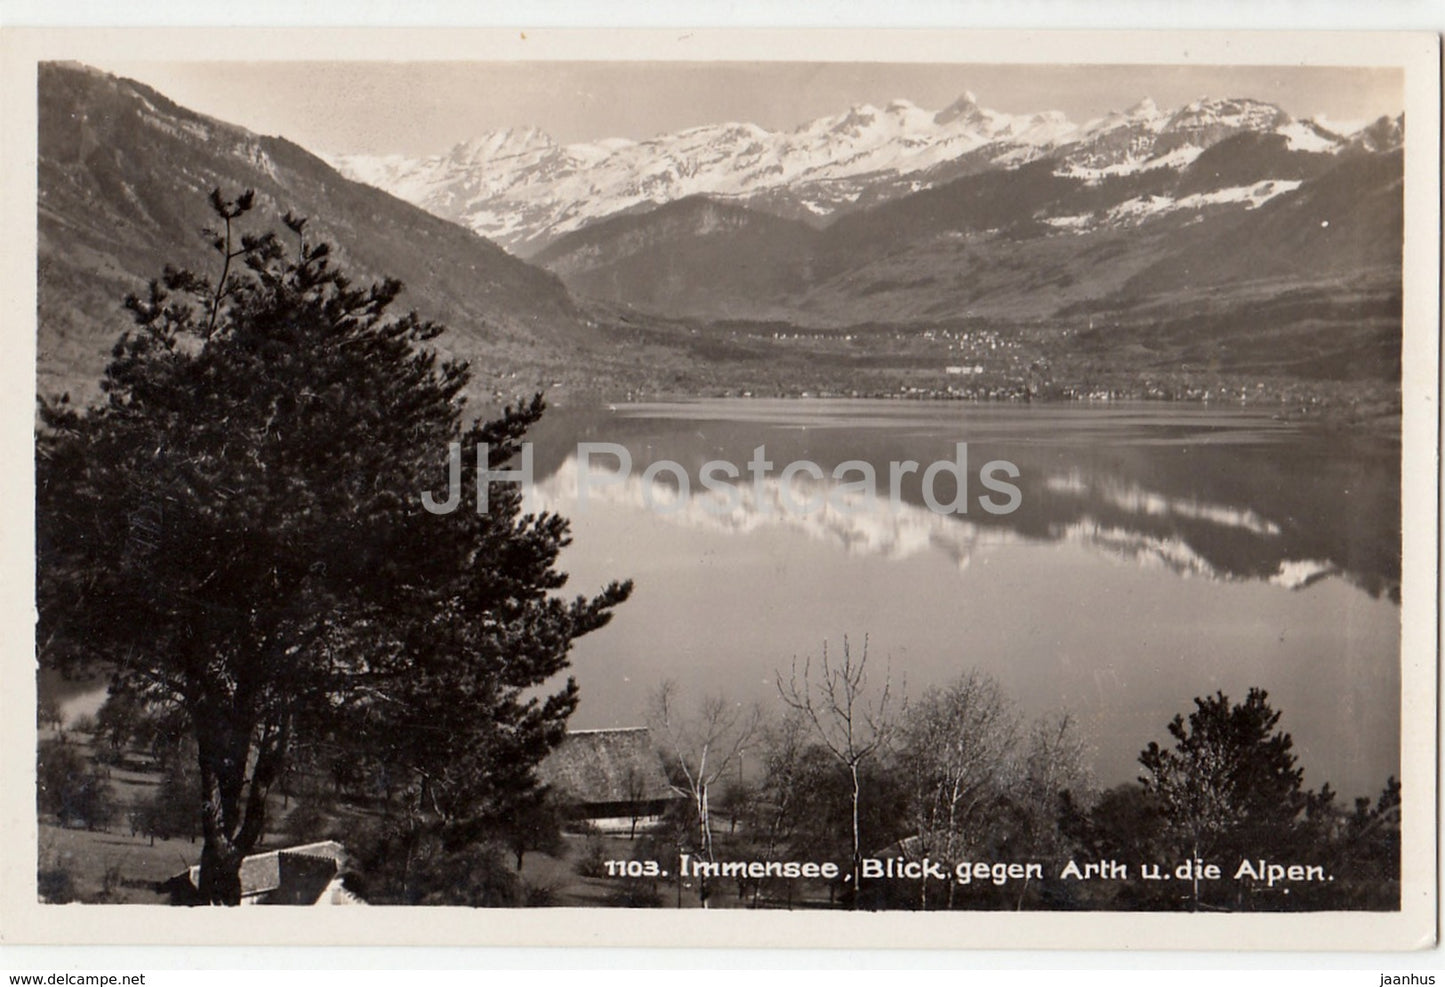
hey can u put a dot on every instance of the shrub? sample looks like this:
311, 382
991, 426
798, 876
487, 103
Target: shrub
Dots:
54, 883
73, 790
591, 862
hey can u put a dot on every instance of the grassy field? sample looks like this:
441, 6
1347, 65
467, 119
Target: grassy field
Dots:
116, 865
112, 864
117, 868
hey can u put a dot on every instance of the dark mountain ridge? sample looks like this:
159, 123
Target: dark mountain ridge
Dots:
1248, 215
692, 253
1156, 278
123, 174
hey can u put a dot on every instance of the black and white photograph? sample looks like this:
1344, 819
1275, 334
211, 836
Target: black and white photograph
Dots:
992, 493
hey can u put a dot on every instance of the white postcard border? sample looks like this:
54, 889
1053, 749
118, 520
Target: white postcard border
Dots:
23, 920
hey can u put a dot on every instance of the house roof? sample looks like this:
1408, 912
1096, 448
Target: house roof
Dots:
260, 872
337, 893
263, 872
597, 766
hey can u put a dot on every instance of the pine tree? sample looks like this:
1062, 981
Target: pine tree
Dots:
237, 530
1230, 787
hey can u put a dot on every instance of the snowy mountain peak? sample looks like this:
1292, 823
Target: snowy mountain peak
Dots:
521, 188
1145, 108
510, 142
1384, 134
1239, 114
853, 122
1146, 137
1144, 115
1321, 125
965, 107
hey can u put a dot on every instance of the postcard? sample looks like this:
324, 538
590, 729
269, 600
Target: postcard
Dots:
721, 487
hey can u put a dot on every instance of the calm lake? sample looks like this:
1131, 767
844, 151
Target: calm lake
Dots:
1158, 552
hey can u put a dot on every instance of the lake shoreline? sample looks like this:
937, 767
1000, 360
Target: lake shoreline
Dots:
1380, 417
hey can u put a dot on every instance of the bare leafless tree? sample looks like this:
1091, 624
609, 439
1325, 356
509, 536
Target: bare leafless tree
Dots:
634, 786
855, 727
700, 747
959, 749
789, 787
1055, 759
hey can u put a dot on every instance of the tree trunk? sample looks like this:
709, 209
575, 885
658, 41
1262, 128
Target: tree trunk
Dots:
220, 872
857, 839
222, 768
233, 796
705, 839
1194, 872
952, 845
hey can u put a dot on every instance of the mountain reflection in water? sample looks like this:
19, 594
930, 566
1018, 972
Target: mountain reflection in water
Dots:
1279, 545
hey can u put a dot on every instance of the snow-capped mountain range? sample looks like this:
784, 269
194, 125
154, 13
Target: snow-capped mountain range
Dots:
522, 189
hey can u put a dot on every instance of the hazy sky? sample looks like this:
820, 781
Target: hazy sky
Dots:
425, 107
